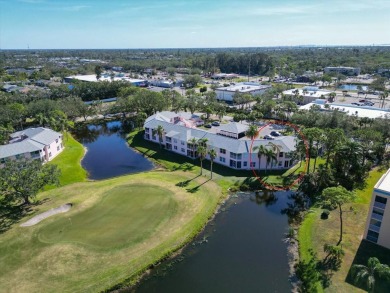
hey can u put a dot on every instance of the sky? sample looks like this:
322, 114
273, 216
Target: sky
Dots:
105, 24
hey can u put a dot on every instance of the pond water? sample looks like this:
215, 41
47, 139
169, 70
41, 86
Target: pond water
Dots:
241, 250
352, 87
108, 154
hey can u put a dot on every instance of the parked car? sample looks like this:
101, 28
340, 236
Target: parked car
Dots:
275, 133
269, 137
369, 104
356, 104
208, 126
363, 101
215, 123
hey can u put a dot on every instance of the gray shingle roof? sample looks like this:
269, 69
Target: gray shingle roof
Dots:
233, 127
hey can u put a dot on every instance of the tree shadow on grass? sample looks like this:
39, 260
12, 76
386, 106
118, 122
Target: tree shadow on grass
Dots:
186, 182
196, 188
11, 214
365, 251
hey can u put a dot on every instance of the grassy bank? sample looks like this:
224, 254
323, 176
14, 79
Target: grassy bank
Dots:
69, 161
315, 232
111, 234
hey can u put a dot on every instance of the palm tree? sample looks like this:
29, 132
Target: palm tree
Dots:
261, 151
383, 97
270, 156
193, 142
368, 273
252, 131
202, 152
213, 154
159, 131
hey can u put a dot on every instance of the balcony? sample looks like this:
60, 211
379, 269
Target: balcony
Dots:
376, 217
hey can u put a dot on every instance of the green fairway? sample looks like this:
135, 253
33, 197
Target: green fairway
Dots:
126, 215
114, 231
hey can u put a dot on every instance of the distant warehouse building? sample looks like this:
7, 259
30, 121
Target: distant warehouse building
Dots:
343, 70
307, 94
226, 93
161, 83
378, 221
104, 77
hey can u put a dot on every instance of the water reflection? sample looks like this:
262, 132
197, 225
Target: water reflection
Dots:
108, 154
241, 250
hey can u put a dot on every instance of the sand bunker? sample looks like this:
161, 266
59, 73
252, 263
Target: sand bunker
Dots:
35, 220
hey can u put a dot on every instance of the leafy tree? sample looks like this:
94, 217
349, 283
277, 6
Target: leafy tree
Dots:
252, 131
332, 139
337, 197
308, 273
368, 273
270, 156
98, 71
191, 81
22, 179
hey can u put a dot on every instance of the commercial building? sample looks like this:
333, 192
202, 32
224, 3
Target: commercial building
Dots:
308, 94
161, 83
342, 70
349, 109
378, 221
33, 143
104, 77
233, 148
226, 93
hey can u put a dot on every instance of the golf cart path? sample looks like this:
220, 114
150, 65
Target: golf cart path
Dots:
35, 220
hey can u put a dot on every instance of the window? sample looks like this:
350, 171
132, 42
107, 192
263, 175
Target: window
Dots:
280, 163
286, 164
168, 139
222, 159
147, 136
238, 165
253, 164
377, 214
183, 150
18, 156
2, 160
182, 143
380, 199
146, 129
49, 154
372, 236
380, 202
233, 155
57, 140
222, 151
239, 156
49, 147
175, 140
245, 164
233, 163
281, 155
58, 148
175, 147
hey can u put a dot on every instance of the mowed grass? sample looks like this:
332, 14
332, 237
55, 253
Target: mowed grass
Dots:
68, 161
315, 232
114, 231
108, 224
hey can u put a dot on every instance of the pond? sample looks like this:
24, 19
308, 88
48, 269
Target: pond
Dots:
241, 250
108, 154
352, 87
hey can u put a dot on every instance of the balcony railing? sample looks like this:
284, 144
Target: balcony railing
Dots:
377, 217
374, 228
379, 205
